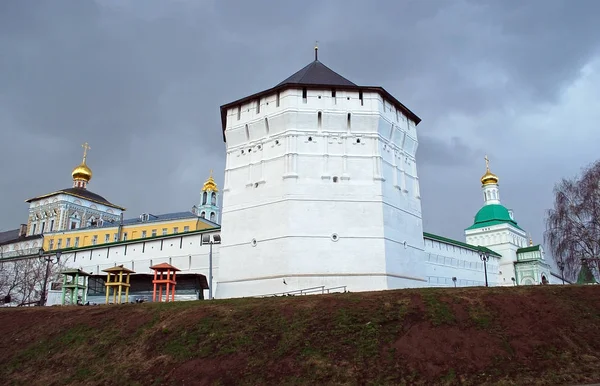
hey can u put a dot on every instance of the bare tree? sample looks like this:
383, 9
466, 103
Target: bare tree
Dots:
573, 225
22, 280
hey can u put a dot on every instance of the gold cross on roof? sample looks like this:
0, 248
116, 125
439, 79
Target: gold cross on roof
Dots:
85, 147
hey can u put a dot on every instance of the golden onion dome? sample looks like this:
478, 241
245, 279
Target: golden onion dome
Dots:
82, 172
489, 177
210, 184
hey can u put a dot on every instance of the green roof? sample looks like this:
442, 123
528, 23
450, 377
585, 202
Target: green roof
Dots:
493, 214
528, 249
446, 240
585, 275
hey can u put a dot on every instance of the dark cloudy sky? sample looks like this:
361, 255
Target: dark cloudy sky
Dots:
142, 82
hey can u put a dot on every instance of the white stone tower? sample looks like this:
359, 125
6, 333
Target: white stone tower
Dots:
321, 189
209, 201
495, 227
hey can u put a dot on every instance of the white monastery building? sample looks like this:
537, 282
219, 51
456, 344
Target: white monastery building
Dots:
321, 190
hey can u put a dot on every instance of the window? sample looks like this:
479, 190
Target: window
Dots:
239, 114
247, 133
213, 199
52, 226
107, 238
278, 97
164, 232
143, 234
304, 95
175, 230
203, 215
94, 239
116, 237
153, 232
186, 228
267, 125
68, 242
33, 230
76, 242
212, 216
51, 244
258, 106
59, 244
125, 236
319, 119
349, 123
333, 93
73, 225
43, 226
360, 96
204, 198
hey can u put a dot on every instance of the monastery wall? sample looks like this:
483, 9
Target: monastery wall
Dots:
186, 252
446, 260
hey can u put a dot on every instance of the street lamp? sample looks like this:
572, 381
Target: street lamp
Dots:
454, 280
49, 259
210, 239
514, 281
561, 266
485, 257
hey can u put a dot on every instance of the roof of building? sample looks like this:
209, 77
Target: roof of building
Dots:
585, 275
317, 75
492, 214
477, 248
151, 218
528, 249
79, 193
12, 236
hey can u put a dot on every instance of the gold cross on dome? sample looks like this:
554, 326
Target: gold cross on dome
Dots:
85, 147
487, 162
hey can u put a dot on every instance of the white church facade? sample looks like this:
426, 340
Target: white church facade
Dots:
321, 190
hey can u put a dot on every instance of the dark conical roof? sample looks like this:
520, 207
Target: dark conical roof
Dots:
318, 74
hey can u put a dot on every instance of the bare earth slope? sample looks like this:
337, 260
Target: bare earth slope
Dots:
520, 335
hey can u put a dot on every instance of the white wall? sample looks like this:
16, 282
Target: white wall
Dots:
185, 252
311, 196
445, 261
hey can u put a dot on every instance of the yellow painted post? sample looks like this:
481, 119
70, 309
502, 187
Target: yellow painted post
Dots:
127, 289
107, 287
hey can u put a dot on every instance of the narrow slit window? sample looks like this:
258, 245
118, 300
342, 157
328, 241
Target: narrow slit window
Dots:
333, 93
258, 106
349, 123
304, 94
267, 125
247, 133
360, 96
319, 119
239, 114
277, 101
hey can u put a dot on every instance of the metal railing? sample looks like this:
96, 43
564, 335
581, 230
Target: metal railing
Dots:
305, 291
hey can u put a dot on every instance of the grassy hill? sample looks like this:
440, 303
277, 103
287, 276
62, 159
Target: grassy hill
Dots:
508, 336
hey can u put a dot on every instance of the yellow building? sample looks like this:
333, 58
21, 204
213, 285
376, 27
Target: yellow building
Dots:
145, 226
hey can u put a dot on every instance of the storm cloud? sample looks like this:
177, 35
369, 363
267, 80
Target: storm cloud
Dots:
142, 82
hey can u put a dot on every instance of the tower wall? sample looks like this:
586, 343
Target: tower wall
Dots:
318, 191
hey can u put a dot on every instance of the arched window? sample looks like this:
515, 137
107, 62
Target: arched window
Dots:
212, 216
204, 198
203, 215
213, 199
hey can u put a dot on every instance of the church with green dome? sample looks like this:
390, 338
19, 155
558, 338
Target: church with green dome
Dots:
494, 227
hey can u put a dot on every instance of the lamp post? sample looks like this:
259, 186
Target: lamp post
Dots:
485, 257
561, 266
514, 281
49, 259
210, 239
454, 280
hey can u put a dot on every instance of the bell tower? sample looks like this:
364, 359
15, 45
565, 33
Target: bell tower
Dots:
209, 201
